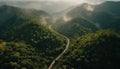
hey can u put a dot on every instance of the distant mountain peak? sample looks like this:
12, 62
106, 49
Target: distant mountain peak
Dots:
7, 6
110, 2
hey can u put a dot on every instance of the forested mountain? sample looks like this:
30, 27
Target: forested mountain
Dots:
103, 16
86, 37
76, 27
99, 50
110, 7
8, 11
26, 42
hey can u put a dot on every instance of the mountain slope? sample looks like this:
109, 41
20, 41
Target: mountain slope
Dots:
31, 30
18, 55
110, 7
76, 27
9, 11
86, 9
103, 16
93, 51
106, 14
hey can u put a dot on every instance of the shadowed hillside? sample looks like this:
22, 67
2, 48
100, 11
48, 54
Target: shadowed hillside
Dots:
41, 45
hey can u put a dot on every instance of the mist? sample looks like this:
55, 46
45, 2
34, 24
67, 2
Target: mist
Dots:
50, 6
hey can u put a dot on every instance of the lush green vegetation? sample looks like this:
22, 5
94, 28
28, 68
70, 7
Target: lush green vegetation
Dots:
27, 42
41, 45
76, 27
93, 51
18, 55
83, 20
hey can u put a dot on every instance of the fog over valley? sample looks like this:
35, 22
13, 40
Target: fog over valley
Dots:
59, 34
50, 6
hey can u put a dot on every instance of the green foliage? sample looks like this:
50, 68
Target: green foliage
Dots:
94, 51
39, 45
84, 21
76, 27
29, 44
17, 55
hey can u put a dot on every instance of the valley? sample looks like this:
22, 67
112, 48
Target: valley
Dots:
84, 36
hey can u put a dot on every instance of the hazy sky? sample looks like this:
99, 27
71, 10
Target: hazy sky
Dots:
48, 5
75, 1
70, 1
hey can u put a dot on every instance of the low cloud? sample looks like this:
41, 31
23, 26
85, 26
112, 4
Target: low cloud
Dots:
48, 5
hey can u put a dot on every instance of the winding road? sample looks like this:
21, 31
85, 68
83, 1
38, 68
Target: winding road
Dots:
57, 58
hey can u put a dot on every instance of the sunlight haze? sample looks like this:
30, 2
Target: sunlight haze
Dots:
50, 6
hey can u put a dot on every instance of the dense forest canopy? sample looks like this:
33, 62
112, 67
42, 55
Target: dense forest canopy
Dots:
99, 50
28, 42
85, 36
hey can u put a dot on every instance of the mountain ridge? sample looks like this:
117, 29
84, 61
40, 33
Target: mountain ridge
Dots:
27, 32
104, 16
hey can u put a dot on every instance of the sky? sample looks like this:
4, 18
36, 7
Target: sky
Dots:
49, 5
70, 1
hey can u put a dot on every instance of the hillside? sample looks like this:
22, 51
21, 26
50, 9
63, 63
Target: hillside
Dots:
86, 9
16, 27
76, 27
99, 50
110, 7
84, 36
103, 16
106, 15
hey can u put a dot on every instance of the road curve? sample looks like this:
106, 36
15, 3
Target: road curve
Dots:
67, 45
